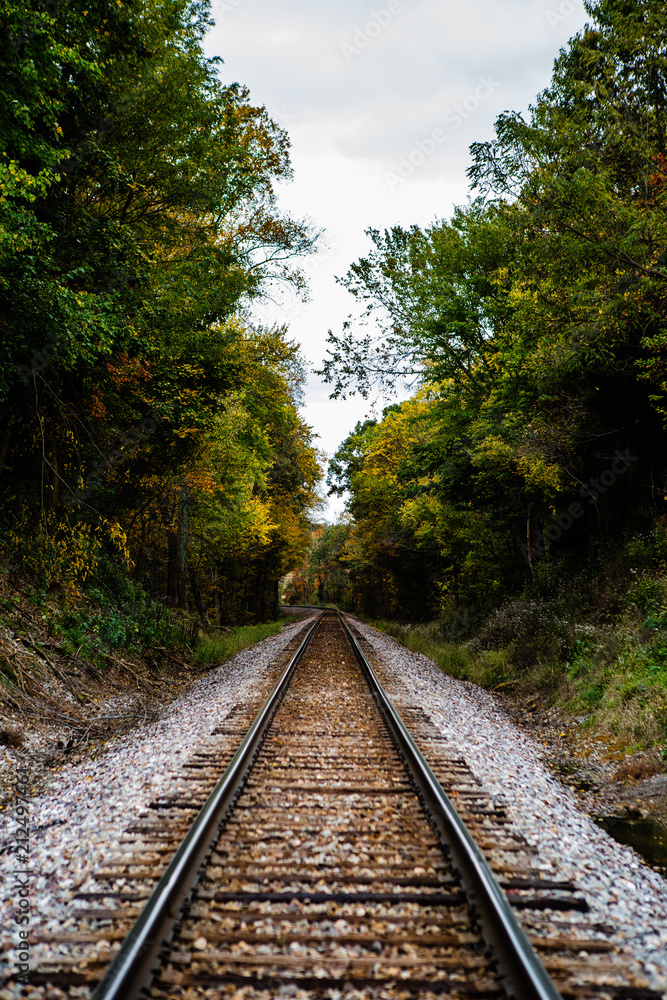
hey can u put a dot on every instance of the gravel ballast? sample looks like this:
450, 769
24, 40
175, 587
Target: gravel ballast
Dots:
78, 819
85, 807
619, 887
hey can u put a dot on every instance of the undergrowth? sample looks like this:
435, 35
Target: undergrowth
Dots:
67, 657
488, 668
595, 647
116, 617
217, 647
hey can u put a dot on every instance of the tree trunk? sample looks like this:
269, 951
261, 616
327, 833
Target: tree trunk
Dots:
217, 597
54, 474
182, 538
528, 545
198, 597
5, 438
172, 573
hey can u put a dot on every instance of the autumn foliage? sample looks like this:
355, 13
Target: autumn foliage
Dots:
533, 323
141, 419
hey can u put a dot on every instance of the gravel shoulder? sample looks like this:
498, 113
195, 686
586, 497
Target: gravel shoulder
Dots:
82, 808
621, 890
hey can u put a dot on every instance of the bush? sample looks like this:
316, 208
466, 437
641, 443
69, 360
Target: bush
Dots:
597, 645
56, 554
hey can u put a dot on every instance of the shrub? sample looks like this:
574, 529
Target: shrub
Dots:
56, 554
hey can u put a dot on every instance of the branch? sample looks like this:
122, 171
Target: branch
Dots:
616, 252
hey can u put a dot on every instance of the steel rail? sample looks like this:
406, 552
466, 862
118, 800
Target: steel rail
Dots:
524, 975
309, 607
133, 966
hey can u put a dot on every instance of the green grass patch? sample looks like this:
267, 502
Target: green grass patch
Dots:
593, 645
488, 668
611, 678
215, 648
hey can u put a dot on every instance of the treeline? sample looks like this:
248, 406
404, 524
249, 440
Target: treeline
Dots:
143, 419
533, 324
324, 576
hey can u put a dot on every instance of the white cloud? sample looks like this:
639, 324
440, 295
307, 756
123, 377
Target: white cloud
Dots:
286, 38
355, 117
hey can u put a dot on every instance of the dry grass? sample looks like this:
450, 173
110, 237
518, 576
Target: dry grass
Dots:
638, 769
11, 735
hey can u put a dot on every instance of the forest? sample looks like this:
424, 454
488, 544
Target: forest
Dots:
508, 508
517, 500
151, 445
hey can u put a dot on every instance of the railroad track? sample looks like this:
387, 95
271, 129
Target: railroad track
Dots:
328, 861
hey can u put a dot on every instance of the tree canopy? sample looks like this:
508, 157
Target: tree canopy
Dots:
138, 221
534, 324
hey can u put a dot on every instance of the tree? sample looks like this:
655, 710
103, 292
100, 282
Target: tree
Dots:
535, 320
137, 220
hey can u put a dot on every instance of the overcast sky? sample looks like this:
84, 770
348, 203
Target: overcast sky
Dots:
381, 102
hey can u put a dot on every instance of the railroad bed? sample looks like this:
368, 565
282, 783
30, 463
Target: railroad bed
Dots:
328, 877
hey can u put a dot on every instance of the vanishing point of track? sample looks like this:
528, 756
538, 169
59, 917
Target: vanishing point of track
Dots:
329, 859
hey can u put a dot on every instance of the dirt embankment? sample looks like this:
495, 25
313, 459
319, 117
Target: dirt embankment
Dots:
56, 706
609, 779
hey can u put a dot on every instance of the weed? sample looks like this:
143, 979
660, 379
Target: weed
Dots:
36, 596
591, 695
485, 667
